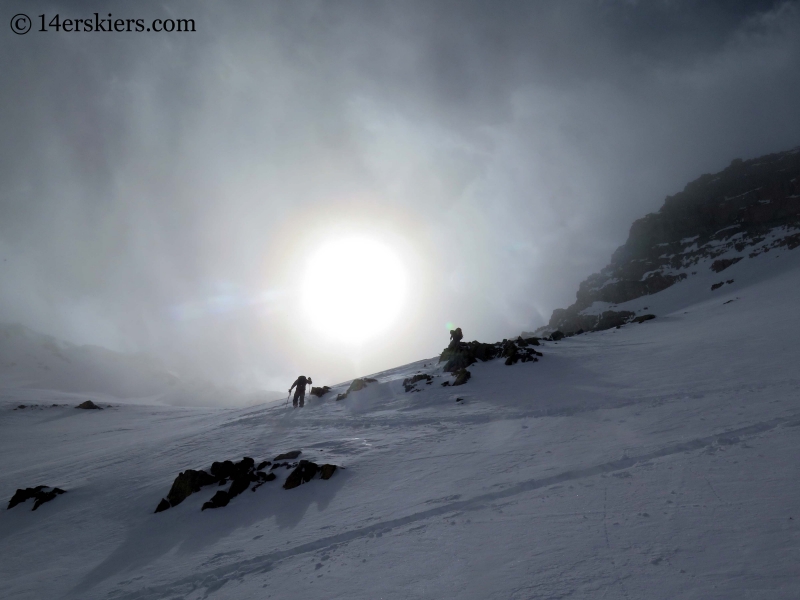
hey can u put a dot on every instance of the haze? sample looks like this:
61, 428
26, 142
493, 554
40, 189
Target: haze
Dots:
162, 193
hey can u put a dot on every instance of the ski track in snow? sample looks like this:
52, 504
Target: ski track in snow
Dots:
260, 564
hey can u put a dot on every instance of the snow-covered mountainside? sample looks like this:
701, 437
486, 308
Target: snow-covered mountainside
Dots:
653, 461
31, 362
750, 208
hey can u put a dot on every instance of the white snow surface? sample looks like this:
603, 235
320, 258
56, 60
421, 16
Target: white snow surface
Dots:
656, 461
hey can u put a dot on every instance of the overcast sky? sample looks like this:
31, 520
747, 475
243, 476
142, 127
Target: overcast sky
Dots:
160, 192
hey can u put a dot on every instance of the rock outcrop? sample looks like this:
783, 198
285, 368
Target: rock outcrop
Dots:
319, 392
356, 386
465, 354
460, 355
88, 405
240, 474
462, 376
730, 212
288, 455
40, 494
306, 471
410, 383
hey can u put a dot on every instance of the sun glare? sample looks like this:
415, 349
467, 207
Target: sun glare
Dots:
354, 289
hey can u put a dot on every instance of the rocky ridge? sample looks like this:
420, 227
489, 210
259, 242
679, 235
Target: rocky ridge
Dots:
749, 208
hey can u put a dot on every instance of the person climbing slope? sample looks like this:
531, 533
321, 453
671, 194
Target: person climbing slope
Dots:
300, 393
455, 338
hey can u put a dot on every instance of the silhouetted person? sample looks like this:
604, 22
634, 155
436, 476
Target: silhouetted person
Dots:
455, 337
300, 392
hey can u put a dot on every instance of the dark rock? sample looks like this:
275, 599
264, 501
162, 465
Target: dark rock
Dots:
238, 485
21, 495
459, 360
40, 495
643, 318
533, 341
162, 506
327, 471
245, 466
88, 405
304, 472
21, 406
466, 354
729, 281
509, 350
43, 496
187, 483
716, 286
355, 386
611, 319
288, 455
223, 470
218, 500
241, 474
359, 384
445, 383
410, 382
723, 263
462, 376
319, 392
262, 464
556, 335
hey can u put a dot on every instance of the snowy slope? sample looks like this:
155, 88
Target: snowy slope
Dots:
654, 461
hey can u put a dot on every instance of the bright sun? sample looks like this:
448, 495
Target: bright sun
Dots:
354, 289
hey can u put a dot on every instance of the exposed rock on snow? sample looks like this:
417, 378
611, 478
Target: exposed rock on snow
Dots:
187, 483
409, 383
319, 392
89, 405
218, 500
462, 376
716, 286
240, 474
643, 318
514, 353
460, 355
464, 354
288, 455
40, 494
356, 385
720, 265
359, 384
306, 471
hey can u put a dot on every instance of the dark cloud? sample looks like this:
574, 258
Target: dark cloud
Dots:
155, 190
